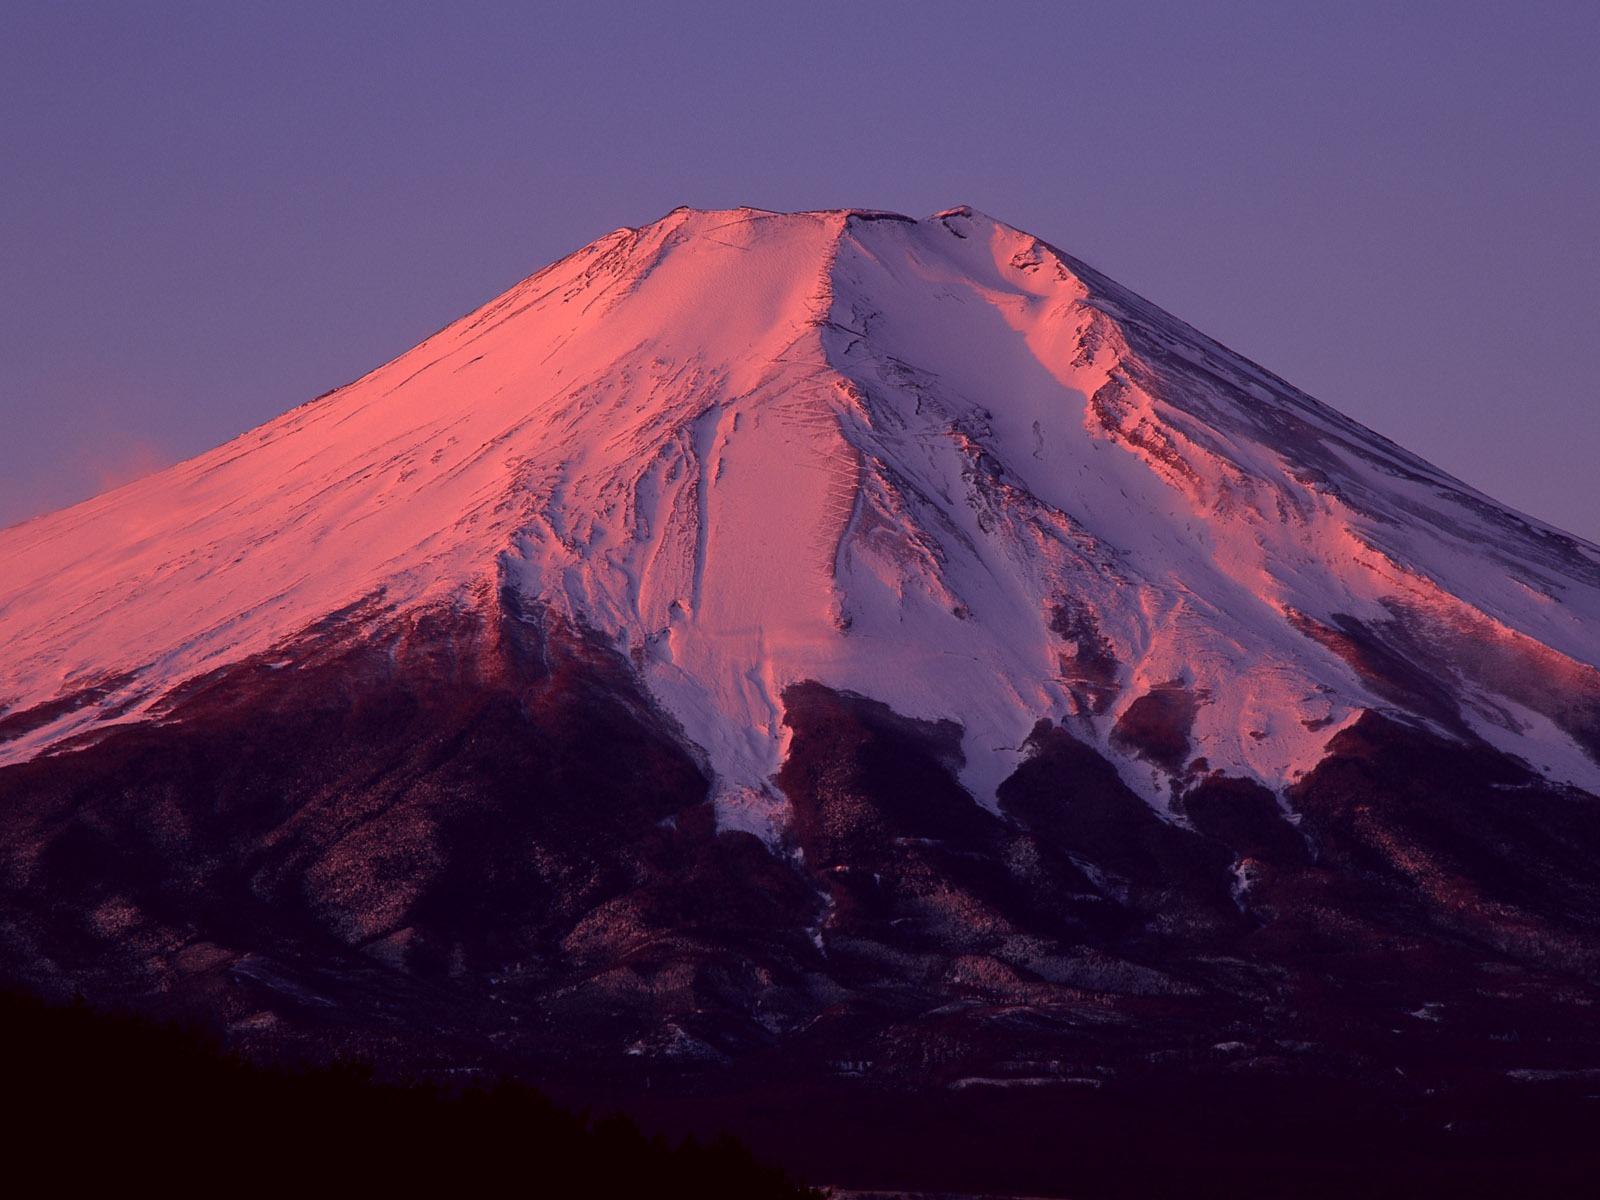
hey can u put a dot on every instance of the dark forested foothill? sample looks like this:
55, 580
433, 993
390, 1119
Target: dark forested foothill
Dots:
98, 1099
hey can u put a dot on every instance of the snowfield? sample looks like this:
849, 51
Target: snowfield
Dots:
938, 463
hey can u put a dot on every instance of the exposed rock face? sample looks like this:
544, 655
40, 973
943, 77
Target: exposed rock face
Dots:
480, 842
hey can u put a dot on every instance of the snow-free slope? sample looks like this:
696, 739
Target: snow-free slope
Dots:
936, 463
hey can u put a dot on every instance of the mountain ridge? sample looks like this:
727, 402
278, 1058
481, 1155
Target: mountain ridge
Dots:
1002, 385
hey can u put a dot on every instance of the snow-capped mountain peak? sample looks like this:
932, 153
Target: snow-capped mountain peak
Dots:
937, 463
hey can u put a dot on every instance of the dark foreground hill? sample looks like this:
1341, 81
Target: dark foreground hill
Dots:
115, 1102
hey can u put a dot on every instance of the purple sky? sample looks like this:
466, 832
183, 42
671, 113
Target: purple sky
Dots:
210, 213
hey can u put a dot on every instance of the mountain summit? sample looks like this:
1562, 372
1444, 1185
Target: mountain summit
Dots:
827, 647
937, 463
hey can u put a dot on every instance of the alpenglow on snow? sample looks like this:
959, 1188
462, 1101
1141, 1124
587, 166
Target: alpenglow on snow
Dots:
937, 463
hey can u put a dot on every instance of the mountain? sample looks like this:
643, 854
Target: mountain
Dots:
827, 648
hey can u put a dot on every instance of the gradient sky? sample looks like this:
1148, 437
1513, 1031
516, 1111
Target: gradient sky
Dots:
210, 213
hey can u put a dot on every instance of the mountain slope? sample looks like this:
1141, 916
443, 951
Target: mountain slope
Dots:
939, 463
793, 655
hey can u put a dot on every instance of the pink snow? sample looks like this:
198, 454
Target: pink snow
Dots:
753, 448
